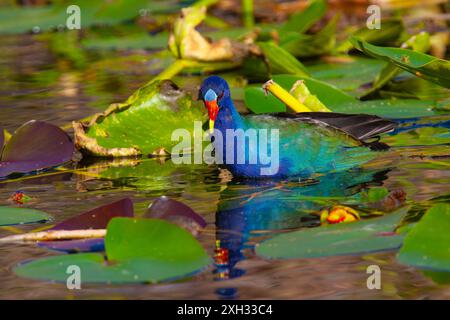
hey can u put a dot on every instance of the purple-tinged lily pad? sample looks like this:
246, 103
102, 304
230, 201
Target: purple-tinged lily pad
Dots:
36, 145
177, 212
97, 218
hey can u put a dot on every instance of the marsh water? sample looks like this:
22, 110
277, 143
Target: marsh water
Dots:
37, 83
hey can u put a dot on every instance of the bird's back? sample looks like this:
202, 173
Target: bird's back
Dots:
307, 144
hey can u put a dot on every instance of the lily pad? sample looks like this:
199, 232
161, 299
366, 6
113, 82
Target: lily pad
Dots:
427, 245
349, 74
258, 102
390, 108
147, 174
138, 251
176, 212
36, 145
420, 64
97, 218
370, 235
10, 216
141, 125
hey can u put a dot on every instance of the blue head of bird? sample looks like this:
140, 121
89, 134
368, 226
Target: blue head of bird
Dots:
215, 94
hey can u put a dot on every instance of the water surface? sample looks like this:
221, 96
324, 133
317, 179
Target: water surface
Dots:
38, 84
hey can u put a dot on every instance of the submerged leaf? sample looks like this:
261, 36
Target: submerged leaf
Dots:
34, 146
138, 251
342, 239
427, 244
12, 216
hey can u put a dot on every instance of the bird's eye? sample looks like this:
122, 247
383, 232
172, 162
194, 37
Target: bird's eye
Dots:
220, 96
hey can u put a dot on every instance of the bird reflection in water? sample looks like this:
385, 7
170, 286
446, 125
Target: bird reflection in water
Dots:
249, 210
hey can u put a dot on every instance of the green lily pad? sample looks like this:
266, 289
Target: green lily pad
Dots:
427, 244
141, 125
390, 108
151, 238
348, 75
420, 64
138, 251
331, 240
12, 216
258, 102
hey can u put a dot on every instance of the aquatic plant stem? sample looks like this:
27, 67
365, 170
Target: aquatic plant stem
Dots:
285, 97
55, 235
205, 3
301, 92
172, 70
247, 11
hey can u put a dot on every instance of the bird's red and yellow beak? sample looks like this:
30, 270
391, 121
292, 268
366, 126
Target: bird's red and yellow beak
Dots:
213, 110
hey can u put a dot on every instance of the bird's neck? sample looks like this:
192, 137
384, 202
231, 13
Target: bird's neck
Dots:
228, 117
